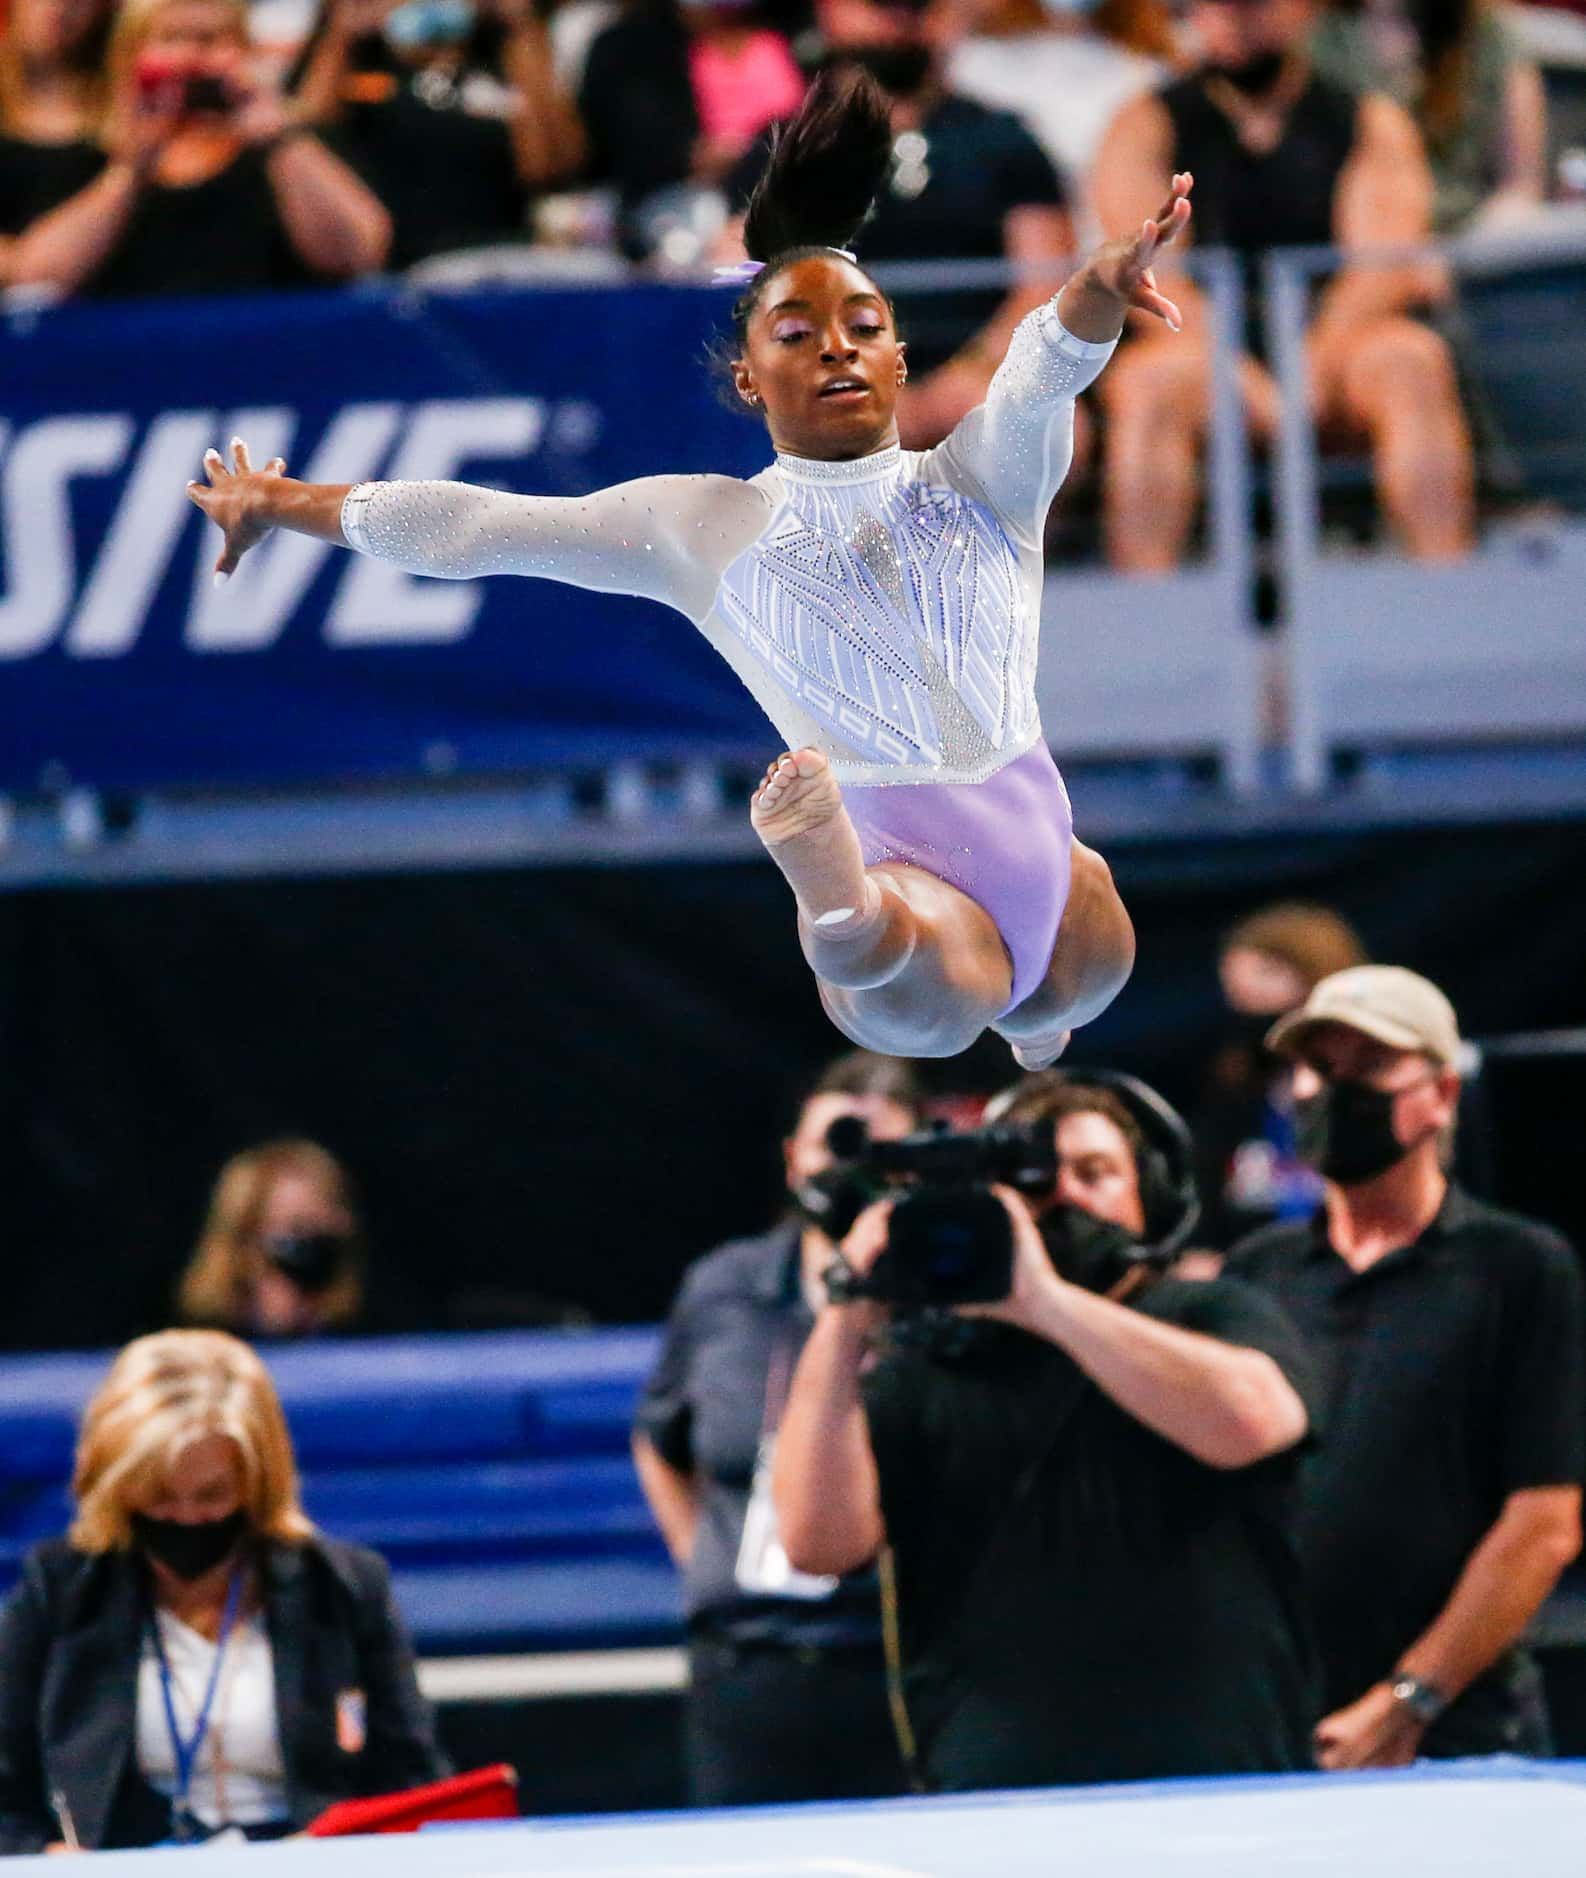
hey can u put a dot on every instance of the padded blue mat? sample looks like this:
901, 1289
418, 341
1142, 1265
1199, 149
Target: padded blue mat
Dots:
1498, 1820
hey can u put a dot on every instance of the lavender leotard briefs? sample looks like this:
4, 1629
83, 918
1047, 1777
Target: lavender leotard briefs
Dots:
885, 609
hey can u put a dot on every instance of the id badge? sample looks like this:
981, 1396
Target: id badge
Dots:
763, 1568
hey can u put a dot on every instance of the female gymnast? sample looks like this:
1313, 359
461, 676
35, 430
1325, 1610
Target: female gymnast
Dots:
882, 605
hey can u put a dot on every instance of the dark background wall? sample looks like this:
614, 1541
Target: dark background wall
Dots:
563, 1084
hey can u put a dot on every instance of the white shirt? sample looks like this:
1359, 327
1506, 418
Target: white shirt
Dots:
884, 609
1068, 87
239, 1778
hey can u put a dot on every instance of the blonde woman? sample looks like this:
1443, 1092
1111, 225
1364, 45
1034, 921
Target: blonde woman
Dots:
193, 1656
52, 57
208, 184
282, 1251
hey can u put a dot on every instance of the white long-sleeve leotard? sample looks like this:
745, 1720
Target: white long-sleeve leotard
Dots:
885, 609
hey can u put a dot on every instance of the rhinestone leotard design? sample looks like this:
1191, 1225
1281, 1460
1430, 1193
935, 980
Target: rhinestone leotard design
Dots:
885, 609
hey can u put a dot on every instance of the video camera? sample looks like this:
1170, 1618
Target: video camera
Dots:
949, 1238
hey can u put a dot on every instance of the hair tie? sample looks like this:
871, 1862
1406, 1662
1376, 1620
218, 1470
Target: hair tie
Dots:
740, 273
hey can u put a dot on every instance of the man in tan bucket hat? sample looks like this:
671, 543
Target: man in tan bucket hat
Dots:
1444, 1497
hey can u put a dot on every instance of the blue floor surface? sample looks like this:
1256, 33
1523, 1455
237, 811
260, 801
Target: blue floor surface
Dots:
1498, 1820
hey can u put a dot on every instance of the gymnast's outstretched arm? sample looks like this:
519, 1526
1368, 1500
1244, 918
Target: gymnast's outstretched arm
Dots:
1016, 447
666, 538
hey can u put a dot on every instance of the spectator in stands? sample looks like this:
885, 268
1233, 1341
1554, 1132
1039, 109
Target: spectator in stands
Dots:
1066, 67
967, 184
282, 1249
675, 91
194, 1655
1281, 156
458, 120
1269, 963
1445, 1501
1087, 1501
207, 184
787, 1692
1476, 99
52, 84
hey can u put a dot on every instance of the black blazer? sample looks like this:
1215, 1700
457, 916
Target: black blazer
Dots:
71, 1637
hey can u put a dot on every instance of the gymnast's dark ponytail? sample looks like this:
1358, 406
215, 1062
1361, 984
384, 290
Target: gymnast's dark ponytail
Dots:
825, 168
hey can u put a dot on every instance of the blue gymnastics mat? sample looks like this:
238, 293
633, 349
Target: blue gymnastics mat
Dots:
1495, 1820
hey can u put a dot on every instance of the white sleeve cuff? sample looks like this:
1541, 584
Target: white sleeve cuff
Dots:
353, 509
1060, 339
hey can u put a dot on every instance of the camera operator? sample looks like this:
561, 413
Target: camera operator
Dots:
1083, 1505
787, 1694
1448, 1336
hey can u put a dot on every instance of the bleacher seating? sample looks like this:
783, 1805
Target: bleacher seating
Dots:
492, 1471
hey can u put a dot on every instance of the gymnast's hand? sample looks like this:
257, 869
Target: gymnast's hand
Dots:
245, 504
239, 501
1119, 277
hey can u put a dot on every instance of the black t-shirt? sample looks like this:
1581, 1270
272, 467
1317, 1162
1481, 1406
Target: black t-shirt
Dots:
949, 193
446, 172
1128, 1612
637, 103
38, 177
1250, 200
1452, 1376
224, 235
732, 1340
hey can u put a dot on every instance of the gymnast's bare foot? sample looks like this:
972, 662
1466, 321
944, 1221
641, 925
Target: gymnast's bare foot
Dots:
798, 813
1039, 1052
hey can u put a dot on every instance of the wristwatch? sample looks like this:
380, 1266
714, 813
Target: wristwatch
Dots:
1425, 1701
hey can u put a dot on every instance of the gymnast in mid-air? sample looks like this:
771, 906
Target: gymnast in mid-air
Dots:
882, 605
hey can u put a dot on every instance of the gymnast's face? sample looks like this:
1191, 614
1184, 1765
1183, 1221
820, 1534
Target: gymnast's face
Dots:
823, 360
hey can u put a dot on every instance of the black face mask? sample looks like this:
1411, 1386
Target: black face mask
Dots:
900, 70
1254, 75
1087, 1251
311, 1259
189, 1551
1345, 1131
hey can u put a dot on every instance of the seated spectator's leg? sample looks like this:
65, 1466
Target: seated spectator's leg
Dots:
1158, 405
1394, 379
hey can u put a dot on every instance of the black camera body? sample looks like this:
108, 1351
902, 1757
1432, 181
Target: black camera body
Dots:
949, 1238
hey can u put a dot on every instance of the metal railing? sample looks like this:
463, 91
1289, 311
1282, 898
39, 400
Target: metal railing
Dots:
1383, 652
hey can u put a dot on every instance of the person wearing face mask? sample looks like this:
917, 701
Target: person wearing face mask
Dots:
1248, 1168
194, 1657
1449, 1336
1284, 158
281, 1253
787, 1697
450, 109
1083, 1494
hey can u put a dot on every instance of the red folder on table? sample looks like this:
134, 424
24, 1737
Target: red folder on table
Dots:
488, 1793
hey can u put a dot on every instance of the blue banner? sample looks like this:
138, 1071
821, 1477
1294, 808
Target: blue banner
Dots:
123, 667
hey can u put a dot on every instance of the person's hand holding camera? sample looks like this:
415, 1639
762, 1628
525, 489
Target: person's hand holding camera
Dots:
865, 1242
145, 115
1036, 1289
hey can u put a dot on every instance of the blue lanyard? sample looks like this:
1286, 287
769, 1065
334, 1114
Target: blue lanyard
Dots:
186, 1750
